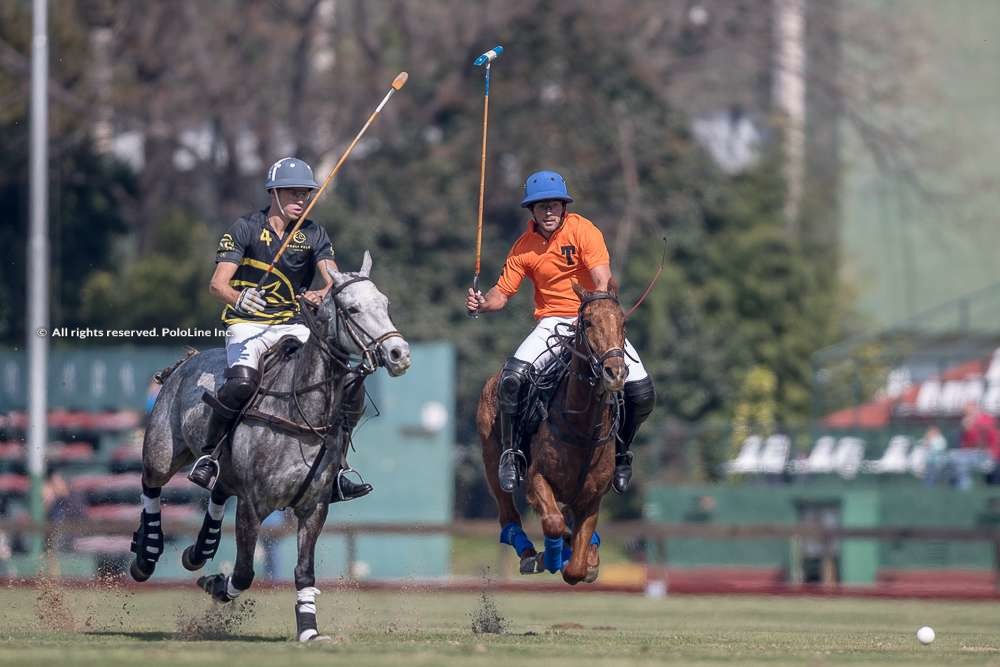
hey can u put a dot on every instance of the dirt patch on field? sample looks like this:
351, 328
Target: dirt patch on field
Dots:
53, 606
219, 621
486, 619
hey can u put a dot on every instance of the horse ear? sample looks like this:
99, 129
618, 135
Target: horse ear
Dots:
613, 286
366, 264
580, 291
335, 276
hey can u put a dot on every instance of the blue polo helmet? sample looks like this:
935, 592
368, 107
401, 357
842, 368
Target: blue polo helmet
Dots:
544, 186
290, 172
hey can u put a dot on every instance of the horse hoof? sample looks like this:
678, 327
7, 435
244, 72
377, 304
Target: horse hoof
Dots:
306, 638
215, 585
591, 576
138, 572
188, 561
533, 564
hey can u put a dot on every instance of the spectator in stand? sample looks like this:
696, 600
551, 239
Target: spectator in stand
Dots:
61, 506
979, 447
937, 454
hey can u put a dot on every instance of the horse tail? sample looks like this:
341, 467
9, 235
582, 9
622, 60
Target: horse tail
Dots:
161, 376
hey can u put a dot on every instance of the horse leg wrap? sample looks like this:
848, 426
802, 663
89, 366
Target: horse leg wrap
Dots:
514, 535
553, 554
147, 542
567, 552
207, 543
305, 614
220, 587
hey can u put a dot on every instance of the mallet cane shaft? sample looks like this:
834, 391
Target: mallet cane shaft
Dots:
397, 83
484, 59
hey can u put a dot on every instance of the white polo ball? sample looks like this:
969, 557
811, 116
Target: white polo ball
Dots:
925, 635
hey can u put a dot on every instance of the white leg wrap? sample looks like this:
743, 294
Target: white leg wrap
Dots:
231, 590
305, 606
216, 511
151, 505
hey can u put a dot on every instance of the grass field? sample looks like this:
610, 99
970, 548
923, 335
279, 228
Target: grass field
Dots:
417, 627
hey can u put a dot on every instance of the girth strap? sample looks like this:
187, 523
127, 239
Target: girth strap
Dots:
286, 425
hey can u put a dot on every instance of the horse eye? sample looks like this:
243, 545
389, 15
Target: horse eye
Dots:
353, 310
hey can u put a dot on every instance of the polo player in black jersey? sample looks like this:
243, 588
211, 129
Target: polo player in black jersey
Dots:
258, 317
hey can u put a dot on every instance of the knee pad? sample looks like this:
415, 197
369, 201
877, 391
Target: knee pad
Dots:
513, 381
640, 397
241, 383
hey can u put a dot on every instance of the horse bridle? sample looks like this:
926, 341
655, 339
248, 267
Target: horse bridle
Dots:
371, 352
594, 361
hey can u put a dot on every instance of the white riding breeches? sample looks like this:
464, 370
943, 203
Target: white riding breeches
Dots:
247, 341
535, 348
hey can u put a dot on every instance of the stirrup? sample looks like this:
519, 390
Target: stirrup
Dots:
210, 483
516, 459
339, 490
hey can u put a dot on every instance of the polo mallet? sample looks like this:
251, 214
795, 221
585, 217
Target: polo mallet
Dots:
484, 59
397, 83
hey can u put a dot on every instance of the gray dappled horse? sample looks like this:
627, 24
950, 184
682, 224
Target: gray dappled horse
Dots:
286, 452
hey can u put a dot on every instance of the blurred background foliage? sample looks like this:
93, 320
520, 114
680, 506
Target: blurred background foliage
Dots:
165, 116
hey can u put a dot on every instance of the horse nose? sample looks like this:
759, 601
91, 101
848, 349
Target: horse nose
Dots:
397, 356
614, 376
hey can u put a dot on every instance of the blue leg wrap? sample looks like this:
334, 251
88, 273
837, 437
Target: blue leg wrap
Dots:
514, 535
567, 551
553, 554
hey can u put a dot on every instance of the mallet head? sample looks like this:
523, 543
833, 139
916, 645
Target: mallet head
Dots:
489, 56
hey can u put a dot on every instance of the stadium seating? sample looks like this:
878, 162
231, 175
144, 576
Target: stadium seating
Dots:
748, 458
820, 459
14, 485
99, 454
774, 454
895, 458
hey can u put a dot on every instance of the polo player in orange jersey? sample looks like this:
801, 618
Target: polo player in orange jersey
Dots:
557, 248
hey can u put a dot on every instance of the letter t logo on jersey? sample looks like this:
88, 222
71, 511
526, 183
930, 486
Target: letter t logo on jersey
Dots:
568, 251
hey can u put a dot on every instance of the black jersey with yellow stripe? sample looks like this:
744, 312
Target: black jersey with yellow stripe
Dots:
252, 243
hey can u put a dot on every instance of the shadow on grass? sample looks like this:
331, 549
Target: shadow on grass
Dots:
180, 636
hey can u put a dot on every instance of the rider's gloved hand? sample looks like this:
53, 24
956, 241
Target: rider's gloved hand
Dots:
474, 301
250, 301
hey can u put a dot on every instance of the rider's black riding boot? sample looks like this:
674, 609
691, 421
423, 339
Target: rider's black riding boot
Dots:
344, 488
640, 397
514, 382
241, 383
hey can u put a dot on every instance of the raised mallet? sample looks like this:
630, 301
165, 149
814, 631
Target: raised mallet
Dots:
397, 83
484, 59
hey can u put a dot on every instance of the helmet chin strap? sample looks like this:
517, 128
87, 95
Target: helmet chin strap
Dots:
281, 209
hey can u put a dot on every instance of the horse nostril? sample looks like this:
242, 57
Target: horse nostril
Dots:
609, 372
395, 354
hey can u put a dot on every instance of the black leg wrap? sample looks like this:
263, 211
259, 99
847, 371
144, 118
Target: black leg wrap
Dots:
305, 614
209, 537
150, 491
305, 620
147, 543
216, 586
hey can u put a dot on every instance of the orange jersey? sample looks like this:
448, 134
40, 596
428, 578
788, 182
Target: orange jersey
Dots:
569, 254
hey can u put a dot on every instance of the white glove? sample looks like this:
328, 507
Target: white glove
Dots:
250, 301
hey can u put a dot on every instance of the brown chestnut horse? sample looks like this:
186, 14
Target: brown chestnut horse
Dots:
573, 451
